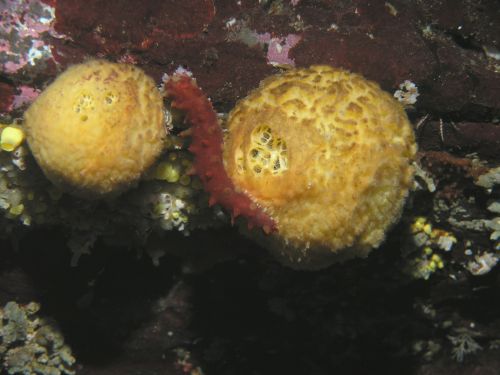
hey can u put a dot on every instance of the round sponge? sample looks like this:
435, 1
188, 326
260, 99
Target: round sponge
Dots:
327, 154
97, 127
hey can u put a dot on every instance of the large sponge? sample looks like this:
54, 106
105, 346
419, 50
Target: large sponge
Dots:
97, 127
327, 154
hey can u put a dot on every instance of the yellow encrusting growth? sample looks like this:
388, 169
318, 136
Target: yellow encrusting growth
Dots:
327, 154
97, 127
11, 138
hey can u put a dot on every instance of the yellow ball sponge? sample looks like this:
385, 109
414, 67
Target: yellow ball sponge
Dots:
327, 154
97, 127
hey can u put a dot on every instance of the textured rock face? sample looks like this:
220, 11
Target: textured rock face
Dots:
97, 127
327, 154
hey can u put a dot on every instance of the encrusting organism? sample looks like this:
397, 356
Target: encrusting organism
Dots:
320, 155
97, 127
31, 344
10, 137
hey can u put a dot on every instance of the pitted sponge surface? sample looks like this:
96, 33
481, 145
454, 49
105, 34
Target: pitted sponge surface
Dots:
97, 127
328, 155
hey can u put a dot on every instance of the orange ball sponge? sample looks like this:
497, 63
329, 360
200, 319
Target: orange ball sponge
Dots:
97, 127
327, 154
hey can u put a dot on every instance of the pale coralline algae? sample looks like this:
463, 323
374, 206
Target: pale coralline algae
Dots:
463, 343
407, 93
490, 179
31, 345
482, 264
278, 49
22, 30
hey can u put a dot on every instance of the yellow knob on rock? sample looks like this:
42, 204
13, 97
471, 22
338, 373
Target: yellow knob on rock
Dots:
11, 138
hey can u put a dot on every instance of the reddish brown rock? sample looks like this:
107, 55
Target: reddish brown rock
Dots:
115, 26
6, 97
368, 39
359, 53
462, 138
473, 24
462, 84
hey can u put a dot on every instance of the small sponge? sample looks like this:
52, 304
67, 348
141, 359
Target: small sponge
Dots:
97, 127
327, 154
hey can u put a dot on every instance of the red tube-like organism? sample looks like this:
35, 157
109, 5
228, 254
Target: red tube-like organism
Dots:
207, 147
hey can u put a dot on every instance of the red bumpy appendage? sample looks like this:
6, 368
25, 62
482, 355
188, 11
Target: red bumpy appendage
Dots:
206, 145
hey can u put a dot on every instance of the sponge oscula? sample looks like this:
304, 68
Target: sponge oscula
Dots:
97, 127
327, 155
